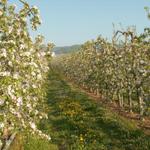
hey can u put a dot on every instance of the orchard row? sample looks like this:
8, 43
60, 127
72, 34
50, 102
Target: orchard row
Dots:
119, 70
23, 70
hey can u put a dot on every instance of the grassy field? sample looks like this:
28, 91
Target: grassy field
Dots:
78, 123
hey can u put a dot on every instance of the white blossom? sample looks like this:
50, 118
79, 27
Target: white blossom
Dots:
3, 53
39, 76
5, 73
10, 29
10, 63
35, 7
33, 73
19, 102
32, 125
27, 53
16, 75
22, 46
1, 125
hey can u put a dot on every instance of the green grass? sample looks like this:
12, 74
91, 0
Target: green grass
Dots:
78, 123
28, 142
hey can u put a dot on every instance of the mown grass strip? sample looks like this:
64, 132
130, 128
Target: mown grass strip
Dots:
80, 123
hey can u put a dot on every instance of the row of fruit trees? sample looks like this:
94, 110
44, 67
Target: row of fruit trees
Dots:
118, 70
23, 70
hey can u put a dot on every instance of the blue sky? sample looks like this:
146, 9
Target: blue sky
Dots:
68, 22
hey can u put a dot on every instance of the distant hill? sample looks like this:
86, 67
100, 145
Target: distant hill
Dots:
66, 49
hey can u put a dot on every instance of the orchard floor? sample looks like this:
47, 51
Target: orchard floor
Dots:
76, 122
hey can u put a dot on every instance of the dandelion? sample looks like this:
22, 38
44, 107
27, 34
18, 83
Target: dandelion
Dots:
81, 138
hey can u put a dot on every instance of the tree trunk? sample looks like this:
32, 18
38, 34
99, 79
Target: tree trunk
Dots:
141, 107
129, 101
121, 102
141, 103
97, 92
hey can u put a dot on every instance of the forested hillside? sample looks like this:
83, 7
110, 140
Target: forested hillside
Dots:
66, 49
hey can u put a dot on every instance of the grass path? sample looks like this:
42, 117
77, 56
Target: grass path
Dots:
78, 123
